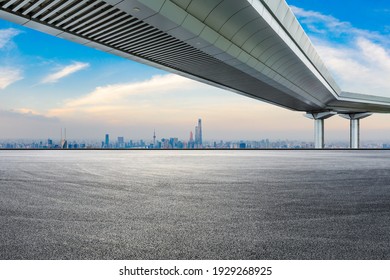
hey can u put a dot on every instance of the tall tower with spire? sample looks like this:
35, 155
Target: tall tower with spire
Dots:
200, 131
198, 134
154, 138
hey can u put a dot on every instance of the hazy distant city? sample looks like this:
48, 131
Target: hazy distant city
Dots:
194, 141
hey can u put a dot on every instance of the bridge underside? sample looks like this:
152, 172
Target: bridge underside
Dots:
255, 48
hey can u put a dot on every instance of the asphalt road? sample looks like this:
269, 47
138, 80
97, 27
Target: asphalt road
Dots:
194, 205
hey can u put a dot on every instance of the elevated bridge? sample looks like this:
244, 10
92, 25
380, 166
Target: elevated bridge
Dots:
255, 48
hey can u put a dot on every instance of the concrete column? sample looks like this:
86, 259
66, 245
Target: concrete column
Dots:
354, 126
319, 134
319, 118
354, 133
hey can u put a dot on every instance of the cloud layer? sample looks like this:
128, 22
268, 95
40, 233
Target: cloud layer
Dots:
6, 36
64, 72
172, 104
359, 59
117, 103
8, 76
24, 124
327, 26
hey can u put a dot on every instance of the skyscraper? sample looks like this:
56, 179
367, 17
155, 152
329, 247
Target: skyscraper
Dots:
191, 142
198, 134
121, 142
107, 141
49, 143
64, 142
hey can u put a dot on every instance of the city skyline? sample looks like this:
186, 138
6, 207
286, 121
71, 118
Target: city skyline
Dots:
68, 85
173, 142
166, 143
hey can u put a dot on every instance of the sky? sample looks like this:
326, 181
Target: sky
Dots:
47, 83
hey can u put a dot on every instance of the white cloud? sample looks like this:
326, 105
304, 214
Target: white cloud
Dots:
24, 114
167, 102
8, 76
27, 111
6, 36
359, 59
117, 101
25, 123
112, 94
172, 104
330, 27
64, 72
363, 68
313, 18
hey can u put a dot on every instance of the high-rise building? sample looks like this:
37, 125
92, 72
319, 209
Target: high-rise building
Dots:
107, 141
191, 142
49, 143
198, 134
64, 142
121, 142
200, 131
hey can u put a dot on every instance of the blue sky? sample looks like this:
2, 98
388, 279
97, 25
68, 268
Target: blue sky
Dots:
369, 15
47, 83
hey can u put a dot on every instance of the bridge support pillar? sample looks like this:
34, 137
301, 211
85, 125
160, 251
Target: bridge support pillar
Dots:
354, 128
319, 118
319, 142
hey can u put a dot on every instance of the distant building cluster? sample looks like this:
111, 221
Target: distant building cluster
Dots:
175, 143
192, 142
163, 143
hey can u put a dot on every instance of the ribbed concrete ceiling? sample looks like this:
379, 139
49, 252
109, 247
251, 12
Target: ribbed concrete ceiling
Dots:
255, 48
